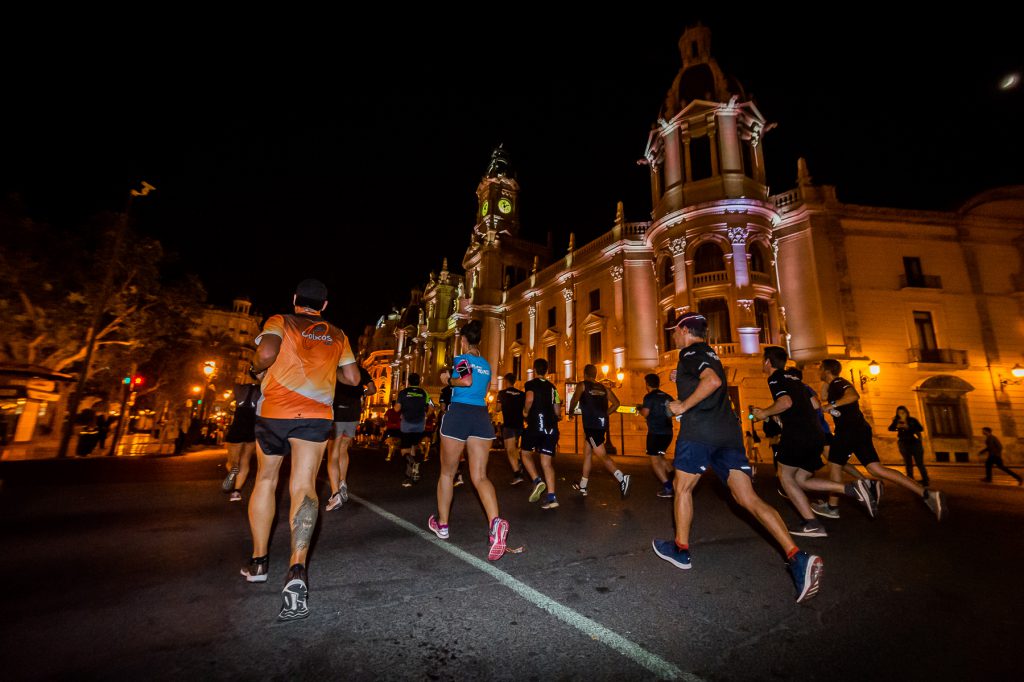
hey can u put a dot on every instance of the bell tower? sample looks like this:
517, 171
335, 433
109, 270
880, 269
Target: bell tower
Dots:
498, 198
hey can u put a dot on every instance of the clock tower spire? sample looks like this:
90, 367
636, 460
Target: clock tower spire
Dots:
498, 197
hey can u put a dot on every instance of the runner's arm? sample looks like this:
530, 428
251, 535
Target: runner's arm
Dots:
266, 353
613, 402
708, 384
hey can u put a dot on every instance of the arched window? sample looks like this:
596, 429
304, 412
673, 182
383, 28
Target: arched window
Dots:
758, 259
667, 275
708, 258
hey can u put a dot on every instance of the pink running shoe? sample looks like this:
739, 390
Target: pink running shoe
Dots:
439, 530
499, 531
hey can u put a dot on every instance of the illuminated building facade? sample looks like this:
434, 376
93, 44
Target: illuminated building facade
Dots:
922, 308
229, 335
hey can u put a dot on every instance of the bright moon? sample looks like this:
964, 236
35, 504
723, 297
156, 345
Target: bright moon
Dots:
1009, 81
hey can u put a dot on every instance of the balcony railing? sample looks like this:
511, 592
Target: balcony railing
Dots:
704, 279
725, 349
920, 281
761, 278
937, 356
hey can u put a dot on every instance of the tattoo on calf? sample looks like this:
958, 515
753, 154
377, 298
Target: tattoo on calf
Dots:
303, 523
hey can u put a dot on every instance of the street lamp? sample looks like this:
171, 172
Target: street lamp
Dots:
874, 369
1018, 376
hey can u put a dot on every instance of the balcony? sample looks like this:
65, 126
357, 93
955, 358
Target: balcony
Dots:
920, 282
947, 357
708, 278
762, 278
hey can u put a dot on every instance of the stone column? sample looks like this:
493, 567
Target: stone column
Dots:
642, 326
714, 146
616, 273
677, 246
729, 142
673, 166
738, 238
688, 164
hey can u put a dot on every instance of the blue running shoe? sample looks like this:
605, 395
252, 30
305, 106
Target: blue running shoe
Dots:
668, 551
807, 570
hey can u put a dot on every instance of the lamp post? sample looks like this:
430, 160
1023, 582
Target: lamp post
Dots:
106, 289
874, 369
1018, 376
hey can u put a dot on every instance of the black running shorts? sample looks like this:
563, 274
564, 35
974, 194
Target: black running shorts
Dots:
272, 434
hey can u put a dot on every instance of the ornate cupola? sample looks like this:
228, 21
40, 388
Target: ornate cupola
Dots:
706, 143
498, 198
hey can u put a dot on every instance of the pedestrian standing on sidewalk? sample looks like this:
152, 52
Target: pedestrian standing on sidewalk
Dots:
299, 358
467, 426
908, 439
994, 448
241, 439
710, 436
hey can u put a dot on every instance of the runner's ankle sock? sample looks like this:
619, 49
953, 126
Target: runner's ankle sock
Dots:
584, 482
618, 475
537, 480
684, 548
792, 553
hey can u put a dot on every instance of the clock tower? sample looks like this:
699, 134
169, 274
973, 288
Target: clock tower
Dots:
497, 198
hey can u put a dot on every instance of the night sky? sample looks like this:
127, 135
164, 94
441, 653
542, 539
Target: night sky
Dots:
295, 146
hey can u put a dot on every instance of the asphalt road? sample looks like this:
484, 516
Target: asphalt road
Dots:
128, 569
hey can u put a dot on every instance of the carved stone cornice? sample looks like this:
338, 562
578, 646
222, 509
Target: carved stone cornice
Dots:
677, 246
738, 235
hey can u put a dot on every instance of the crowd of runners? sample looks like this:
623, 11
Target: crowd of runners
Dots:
308, 398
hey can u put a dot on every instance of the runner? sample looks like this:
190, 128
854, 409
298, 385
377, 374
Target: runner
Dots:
348, 404
799, 452
241, 439
710, 436
299, 357
853, 437
596, 402
659, 432
466, 425
512, 401
392, 430
543, 408
412, 405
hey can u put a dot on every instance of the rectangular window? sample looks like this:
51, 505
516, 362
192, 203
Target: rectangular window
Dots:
517, 366
912, 268
763, 317
552, 316
595, 300
519, 331
925, 330
945, 418
595, 348
552, 357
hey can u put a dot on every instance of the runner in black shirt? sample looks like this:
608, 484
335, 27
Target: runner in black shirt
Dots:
596, 402
512, 401
348, 404
710, 436
659, 432
801, 444
413, 403
853, 437
543, 408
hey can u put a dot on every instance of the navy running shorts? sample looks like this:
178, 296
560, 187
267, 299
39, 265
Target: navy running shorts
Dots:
859, 441
272, 434
657, 443
462, 422
694, 458
595, 436
540, 441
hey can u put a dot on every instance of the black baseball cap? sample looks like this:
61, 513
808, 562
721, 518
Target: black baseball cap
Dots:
692, 321
312, 290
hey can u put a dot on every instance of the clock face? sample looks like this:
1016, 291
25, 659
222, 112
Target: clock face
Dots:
504, 205
485, 208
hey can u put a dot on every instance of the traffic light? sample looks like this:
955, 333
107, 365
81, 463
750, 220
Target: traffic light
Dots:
137, 381
127, 381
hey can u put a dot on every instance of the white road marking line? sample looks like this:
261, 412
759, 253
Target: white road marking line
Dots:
593, 629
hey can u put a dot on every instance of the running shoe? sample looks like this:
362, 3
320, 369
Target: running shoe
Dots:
551, 502
416, 471
538, 490
343, 491
408, 469
439, 530
459, 480
876, 489
861, 491
496, 539
809, 529
256, 570
407, 483
294, 595
624, 486
516, 480
334, 502
936, 501
229, 480
670, 552
807, 570
235, 496
666, 490
582, 490
825, 509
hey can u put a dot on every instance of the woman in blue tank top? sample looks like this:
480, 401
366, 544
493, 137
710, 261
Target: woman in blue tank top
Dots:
467, 425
